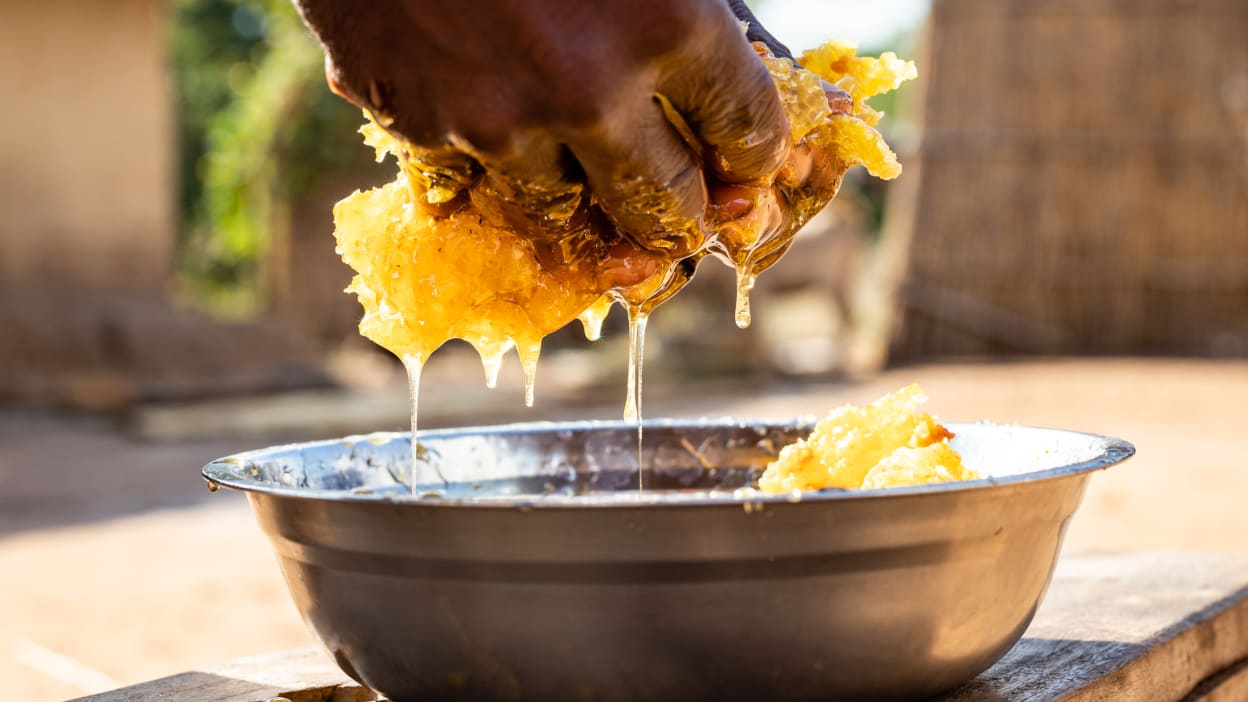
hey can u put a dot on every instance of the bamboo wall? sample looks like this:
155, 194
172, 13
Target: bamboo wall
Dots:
1083, 185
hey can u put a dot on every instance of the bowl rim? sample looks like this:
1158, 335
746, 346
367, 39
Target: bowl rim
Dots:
225, 471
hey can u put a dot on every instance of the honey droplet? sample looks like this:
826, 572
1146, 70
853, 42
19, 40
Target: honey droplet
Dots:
745, 283
529, 354
493, 363
637, 317
636, 357
594, 315
413, 366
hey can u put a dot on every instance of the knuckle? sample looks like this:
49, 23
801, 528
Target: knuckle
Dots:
487, 139
416, 129
700, 15
579, 109
483, 128
588, 93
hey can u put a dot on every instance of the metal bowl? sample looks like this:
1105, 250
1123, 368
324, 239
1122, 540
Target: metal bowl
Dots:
537, 571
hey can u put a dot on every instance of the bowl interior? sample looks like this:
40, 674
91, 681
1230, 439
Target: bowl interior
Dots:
598, 462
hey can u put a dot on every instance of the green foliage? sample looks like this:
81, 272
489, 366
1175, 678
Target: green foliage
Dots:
258, 129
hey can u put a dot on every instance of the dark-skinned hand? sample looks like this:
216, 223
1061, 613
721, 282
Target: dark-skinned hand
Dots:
549, 93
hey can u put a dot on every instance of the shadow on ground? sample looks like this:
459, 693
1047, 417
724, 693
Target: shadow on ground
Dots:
60, 471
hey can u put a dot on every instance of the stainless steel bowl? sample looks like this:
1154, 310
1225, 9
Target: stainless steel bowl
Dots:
537, 571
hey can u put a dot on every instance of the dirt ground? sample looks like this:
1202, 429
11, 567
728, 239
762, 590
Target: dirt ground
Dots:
116, 565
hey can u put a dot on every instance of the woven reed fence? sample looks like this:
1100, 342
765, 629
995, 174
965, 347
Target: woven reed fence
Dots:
1083, 185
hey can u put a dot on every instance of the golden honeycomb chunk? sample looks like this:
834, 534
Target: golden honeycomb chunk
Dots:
441, 253
888, 443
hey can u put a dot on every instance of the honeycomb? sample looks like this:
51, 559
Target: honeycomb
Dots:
443, 252
889, 443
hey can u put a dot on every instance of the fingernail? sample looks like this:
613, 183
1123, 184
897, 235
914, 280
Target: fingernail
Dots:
838, 100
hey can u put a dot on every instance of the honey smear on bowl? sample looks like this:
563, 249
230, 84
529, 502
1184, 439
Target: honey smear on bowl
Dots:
888, 443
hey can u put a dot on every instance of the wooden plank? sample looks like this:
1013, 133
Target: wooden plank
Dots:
300, 675
1230, 685
1121, 628
1148, 627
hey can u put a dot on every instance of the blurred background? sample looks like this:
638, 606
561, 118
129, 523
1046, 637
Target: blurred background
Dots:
1068, 246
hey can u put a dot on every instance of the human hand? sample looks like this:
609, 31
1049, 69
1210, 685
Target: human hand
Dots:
543, 95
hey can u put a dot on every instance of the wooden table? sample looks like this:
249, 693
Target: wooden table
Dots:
1146, 627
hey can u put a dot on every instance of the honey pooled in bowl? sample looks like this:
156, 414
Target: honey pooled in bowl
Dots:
888, 443
444, 252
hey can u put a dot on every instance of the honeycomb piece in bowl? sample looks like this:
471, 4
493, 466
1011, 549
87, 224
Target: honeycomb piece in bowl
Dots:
888, 443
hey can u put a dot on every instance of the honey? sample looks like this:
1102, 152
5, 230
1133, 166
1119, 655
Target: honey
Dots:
445, 252
889, 443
